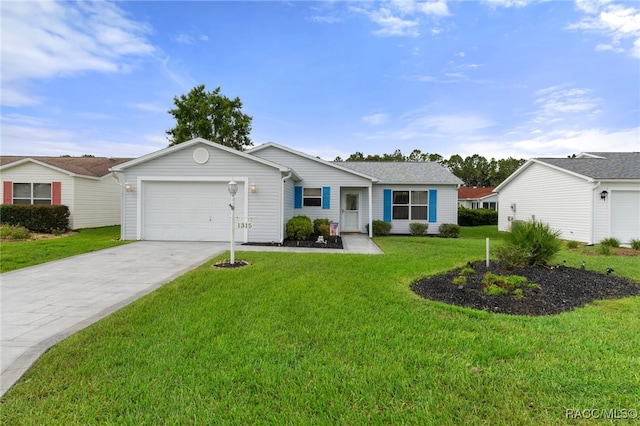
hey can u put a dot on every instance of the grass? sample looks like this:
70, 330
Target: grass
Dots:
310, 338
20, 254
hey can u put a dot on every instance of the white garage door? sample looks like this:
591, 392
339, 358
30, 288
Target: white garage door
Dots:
188, 211
625, 215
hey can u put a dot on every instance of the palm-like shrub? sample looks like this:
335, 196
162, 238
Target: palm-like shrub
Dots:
535, 243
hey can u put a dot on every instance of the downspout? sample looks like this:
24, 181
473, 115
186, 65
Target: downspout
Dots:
370, 210
282, 207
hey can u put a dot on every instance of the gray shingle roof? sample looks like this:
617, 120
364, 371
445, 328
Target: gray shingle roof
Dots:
403, 172
600, 165
85, 166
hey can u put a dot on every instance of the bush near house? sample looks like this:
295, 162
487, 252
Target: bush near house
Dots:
449, 230
418, 228
477, 217
321, 227
380, 228
299, 228
36, 218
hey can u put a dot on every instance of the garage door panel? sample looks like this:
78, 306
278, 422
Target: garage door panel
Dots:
187, 211
625, 215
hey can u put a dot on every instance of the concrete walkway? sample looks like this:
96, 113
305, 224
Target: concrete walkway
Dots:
44, 304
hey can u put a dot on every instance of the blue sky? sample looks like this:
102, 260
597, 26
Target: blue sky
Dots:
497, 78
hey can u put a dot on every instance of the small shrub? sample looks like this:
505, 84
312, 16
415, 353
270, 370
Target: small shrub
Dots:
536, 241
515, 281
449, 230
511, 256
321, 227
610, 242
460, 280
418, 228
532, 285
11, 232
299, 228
572, 245
635, 244
603, 250
497, 284
467, 271
494, 290
380, 228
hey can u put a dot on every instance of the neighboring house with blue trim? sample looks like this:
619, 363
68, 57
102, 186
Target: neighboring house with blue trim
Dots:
180, 193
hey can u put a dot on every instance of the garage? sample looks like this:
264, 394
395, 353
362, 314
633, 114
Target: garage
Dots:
187, 211
625, 215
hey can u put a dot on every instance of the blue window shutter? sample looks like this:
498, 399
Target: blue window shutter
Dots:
297, 199
326, 197
433, 205
387, 205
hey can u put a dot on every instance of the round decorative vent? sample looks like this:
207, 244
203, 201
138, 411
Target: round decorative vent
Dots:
200, 155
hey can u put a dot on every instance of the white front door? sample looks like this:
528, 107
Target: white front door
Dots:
351, 212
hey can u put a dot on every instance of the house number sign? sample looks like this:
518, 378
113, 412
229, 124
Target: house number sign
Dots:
244, 222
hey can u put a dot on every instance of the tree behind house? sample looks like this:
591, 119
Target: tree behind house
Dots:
212, 116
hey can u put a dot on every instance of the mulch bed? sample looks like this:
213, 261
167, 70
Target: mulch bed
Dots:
558, 289
333, 242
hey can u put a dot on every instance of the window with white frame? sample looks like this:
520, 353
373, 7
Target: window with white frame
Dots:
31, 193
312, 197
410, 205
492, 205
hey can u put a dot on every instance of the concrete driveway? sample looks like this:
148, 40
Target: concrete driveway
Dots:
44, 304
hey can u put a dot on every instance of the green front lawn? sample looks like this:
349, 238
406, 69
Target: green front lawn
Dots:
20, 254
312, 338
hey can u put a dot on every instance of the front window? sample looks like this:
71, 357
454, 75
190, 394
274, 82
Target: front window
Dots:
312, 197
410, 205
31, 193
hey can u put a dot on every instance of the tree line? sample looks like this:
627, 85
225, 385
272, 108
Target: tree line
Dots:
474, 170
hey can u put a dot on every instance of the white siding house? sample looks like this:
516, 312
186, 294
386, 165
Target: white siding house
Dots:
180, 193
588, 198
84, 184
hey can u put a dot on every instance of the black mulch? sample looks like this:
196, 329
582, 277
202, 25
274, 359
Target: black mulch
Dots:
333, 242
559, 289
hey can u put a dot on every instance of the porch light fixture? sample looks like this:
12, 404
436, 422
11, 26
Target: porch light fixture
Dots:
603, 195
128, 187
253, 188
232, 187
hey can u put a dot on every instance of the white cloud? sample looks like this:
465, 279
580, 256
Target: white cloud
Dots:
619, 23
403, 17
559, 143
46, 138
375, 119
148, 107
64, 39
556, 103
184, 39
508, 3
326, 19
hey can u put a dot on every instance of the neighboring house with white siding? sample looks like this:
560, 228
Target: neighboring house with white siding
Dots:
588, 198
477, 198
180, 193
84, 184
